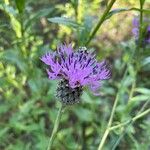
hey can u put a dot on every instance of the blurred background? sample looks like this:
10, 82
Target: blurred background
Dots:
28, 107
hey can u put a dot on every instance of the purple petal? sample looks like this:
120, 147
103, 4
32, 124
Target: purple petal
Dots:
51, 75
79, 68
65, 49
148, 28
47, 58
135, 22
135, 32
95, 88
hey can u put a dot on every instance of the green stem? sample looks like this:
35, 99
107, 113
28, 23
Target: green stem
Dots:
132, 120
144, 106
23, 40
112, 114
125, 127
109, 123
141, 115
132, 90
122, 125
101, 20
141, 24
56, 125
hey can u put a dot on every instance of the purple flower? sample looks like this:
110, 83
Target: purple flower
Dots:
147, 38
146, 32
135, 29
135, 22
80, 68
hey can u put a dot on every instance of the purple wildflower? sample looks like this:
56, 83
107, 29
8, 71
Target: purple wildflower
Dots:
146, 32
78, 68
147, 38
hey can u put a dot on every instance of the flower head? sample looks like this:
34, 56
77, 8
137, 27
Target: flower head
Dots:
79, 68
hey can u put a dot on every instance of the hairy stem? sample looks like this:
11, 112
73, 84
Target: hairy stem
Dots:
56, 125
100, 22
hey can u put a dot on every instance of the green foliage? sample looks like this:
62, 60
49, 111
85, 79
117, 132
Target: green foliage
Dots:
64, 21
142, 2
20, 5
28, 106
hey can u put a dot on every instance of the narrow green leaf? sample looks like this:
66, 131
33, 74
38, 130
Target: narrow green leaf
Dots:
143, 91
14, 57
142, 2
16, 26
86, 114
117, 11
36, 16
140, 98
3, 131
20, 5
64, 21
146, 61
134, 101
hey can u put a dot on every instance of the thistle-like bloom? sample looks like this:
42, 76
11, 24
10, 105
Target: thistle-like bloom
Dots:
76, 69
146, 32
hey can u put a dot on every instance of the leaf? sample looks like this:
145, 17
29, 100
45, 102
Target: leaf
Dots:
142, 2
8, 9
86, 97
140, 98
26, 108
85, 32
86, 114
146, 61
144, 91
3, 131
35, 85
20, 5
3, 108
34, 17
12, 56
16, 26
117, 11
64, 21
3, 26
75, 3
131, 70
133, 102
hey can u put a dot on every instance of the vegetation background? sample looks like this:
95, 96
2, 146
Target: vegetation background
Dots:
28, 107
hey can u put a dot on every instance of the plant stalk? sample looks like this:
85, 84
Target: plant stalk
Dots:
121, 125
100, 22
109, 123
132, 120
112, 114
141, 24
56, 125
126, 126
